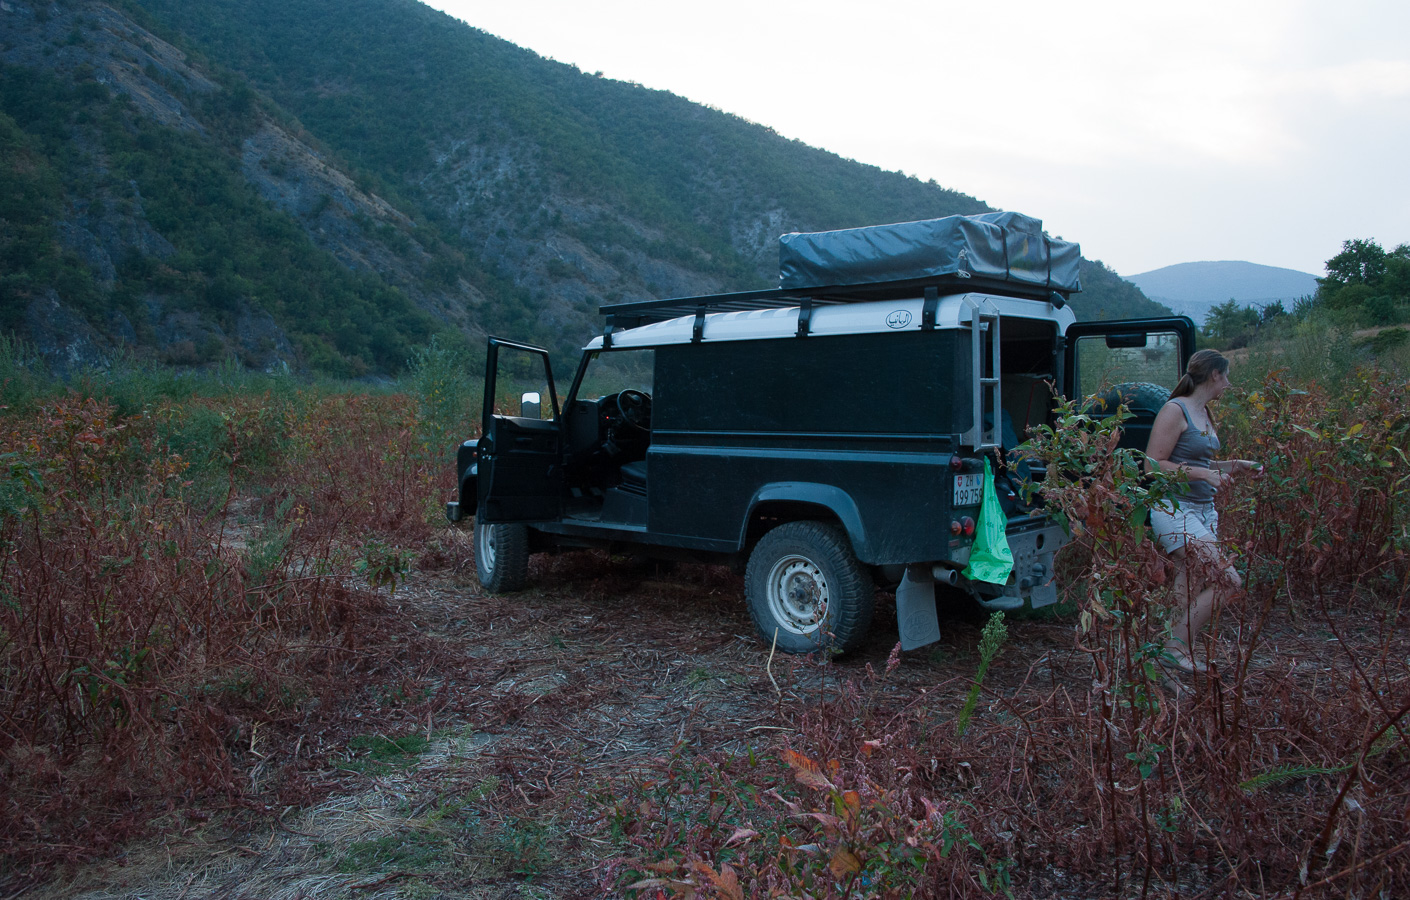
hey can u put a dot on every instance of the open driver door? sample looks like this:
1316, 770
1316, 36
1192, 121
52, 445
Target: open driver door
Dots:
520, 454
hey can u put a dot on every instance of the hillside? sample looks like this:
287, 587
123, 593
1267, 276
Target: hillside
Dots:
1194, 288
326, 186
156, 206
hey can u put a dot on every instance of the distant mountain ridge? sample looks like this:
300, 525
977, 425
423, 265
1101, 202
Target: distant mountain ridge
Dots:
1194, 288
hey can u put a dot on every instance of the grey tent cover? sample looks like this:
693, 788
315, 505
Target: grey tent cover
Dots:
1003, 246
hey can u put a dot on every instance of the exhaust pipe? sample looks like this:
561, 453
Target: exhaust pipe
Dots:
945, 575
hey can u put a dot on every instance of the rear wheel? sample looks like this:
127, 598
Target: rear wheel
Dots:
805, 586
501, 556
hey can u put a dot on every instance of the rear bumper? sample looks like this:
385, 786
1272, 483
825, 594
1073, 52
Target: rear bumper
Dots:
1033, 577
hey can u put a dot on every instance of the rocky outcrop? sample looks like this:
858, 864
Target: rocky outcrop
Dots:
66, 341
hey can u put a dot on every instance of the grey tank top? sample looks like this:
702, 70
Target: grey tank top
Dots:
1194, 448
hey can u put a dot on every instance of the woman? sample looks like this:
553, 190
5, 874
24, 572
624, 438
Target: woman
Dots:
1184, 439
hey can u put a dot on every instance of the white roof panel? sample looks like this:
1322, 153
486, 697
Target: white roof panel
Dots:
852, 318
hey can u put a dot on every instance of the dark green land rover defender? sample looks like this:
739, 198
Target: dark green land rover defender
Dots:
828, 436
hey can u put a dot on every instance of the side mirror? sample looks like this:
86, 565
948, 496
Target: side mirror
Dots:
530, 405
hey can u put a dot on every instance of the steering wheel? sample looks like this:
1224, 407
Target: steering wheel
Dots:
635, 407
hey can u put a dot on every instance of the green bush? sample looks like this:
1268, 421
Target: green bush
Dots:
1389, 339
1352, 296
1381, 310
445, 378
22, 375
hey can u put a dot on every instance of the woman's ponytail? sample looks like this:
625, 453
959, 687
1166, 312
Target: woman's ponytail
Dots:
1202, 367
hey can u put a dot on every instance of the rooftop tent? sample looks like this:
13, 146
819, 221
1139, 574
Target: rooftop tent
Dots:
998, 246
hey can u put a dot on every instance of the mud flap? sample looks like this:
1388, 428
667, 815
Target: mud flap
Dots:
916, 618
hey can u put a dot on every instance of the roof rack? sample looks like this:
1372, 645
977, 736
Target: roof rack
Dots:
646, 312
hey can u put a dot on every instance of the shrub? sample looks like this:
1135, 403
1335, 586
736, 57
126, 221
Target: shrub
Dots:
445, 381
1389, 339
149, 630
1276, 774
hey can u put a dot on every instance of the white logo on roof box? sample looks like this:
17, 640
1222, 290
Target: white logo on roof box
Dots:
899, 318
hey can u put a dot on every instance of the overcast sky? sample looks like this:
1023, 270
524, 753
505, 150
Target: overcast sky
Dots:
1151, 133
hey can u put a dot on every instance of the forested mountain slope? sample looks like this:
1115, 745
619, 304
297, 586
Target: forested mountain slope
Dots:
155, 205
329, 184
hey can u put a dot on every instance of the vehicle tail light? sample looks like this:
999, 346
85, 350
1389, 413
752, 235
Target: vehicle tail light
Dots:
968, 525
956, 529
956, 463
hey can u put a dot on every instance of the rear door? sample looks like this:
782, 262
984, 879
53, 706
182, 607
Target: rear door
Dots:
1139, 359
520, 455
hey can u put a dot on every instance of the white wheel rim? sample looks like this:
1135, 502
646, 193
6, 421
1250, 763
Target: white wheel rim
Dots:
487, 548
797, 595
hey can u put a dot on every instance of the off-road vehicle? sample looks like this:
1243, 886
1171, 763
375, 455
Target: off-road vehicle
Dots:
828, 436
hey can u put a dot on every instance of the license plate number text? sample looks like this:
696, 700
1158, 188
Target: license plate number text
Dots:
969, 489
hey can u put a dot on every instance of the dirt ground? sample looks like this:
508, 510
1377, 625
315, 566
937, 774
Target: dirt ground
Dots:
489, 778
558, 694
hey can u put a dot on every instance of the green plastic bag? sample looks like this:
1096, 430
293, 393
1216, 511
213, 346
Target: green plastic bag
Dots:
990, 558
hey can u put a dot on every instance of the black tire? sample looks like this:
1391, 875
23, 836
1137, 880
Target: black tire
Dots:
804, 583
501, 557
1137, 395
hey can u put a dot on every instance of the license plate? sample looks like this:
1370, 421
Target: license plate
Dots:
969, 489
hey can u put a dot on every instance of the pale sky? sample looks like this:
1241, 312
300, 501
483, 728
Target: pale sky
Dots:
1260, 130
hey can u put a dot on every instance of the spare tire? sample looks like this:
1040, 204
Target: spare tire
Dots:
1143, 399
1138, 396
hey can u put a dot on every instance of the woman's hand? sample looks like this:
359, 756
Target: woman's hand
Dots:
1215, 478
1244, 465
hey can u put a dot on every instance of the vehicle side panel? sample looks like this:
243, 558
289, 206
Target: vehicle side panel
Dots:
905, 382
732, 420
899, 509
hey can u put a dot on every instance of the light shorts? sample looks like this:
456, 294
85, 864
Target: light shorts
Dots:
1191, 520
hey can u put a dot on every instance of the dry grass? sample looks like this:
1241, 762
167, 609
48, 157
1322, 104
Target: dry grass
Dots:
618, 722
546, 709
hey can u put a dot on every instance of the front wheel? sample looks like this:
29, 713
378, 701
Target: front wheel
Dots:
501, 556
805, 585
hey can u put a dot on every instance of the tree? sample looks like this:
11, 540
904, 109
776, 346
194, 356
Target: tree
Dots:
1382, 309
1351, 296
1397, 277
1229, 322
1365, 278
1359, 262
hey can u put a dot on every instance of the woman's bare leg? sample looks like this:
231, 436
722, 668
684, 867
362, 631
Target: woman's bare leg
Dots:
1201, 570
1194, 615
